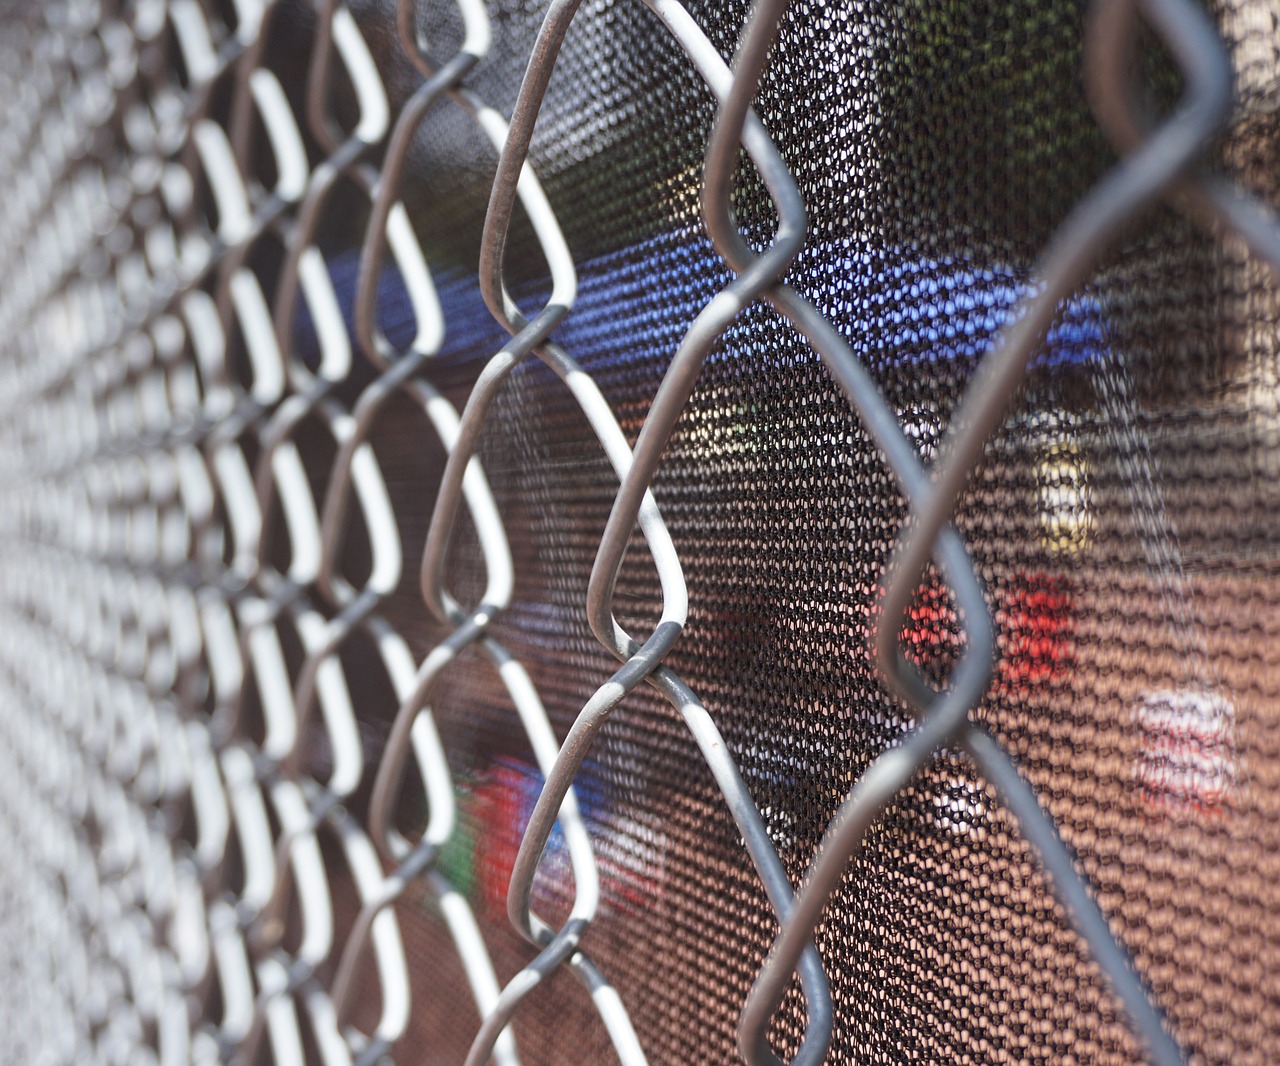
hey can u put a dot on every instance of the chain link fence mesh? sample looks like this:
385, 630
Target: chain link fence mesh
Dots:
642, 532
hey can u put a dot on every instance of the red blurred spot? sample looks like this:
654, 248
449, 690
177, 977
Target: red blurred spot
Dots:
1036, 630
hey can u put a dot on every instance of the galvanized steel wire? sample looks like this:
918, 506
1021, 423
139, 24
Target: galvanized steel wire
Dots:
146, 479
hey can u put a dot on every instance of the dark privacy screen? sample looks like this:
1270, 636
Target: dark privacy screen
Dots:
283, 689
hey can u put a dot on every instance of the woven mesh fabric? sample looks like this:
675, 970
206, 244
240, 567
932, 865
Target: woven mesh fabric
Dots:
1121, 521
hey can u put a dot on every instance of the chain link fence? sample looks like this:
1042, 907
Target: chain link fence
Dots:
639, 532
